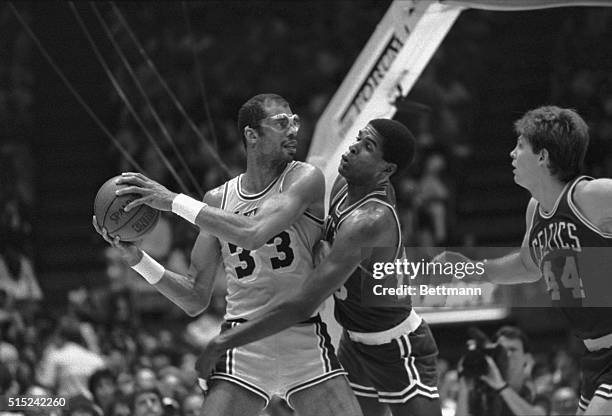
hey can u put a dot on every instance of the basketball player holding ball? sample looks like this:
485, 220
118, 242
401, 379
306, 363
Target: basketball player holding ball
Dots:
386, 347
110, 214
261, 226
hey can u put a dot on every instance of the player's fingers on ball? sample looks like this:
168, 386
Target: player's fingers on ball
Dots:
135, 203
129, 190
134, 176
129, 179
140, 176
107, 237
94, 222
114, 241
126, 189
124, 178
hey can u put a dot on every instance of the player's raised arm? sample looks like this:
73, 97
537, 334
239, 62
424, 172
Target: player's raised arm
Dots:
514, 268
190, 292
304, 186
363, 230
517, 267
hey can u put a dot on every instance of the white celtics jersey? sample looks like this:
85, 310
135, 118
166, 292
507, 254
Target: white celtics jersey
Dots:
255, 277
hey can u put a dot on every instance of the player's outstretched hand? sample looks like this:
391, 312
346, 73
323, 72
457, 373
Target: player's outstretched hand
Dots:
129, 252
206, 361
151, 193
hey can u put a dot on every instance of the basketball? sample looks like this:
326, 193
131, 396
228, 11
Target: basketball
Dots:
129, 226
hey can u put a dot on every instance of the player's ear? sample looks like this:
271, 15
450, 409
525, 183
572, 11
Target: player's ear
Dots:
543, 155
250, 134
390, 169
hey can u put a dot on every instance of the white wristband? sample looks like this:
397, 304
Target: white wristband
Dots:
148, 268
187, 207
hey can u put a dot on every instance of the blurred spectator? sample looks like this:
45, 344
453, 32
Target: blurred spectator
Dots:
120, 407
449, 387
17, 278
566, 369
147, 402
192, 405
37, 391
82, 406
8, 385
160, 358
507, 391
145, 378
543, 382
66, 364
171, 386
103, 388
9, 355
126, 384
564, 402
433, 197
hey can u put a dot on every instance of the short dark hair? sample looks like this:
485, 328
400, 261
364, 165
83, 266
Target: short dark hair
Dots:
252, 112
399, 145
97, 377
562, 132
513, 332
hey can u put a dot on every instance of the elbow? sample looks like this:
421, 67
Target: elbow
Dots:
533, 276
195, 309
193, 312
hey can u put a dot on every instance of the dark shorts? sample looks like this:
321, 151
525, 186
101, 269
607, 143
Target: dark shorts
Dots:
393, 372
596, 376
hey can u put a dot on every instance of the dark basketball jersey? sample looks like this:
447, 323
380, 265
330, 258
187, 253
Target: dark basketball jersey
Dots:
353, 310
575, 260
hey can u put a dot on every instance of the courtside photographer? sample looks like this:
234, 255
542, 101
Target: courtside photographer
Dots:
495, 376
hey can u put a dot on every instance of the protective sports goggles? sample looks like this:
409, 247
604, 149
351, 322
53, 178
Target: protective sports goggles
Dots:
283, 122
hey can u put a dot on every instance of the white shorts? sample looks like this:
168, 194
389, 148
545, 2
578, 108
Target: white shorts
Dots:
282, 364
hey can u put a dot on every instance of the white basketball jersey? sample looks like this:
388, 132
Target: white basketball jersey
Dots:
255, 277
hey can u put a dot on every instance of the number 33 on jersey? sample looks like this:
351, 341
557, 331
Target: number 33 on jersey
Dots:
254, 277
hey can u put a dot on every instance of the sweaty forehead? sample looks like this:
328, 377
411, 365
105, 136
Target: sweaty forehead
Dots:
369, 132
273, 107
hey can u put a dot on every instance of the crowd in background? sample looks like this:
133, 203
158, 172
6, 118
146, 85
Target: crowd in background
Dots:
101, 352
123, 350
